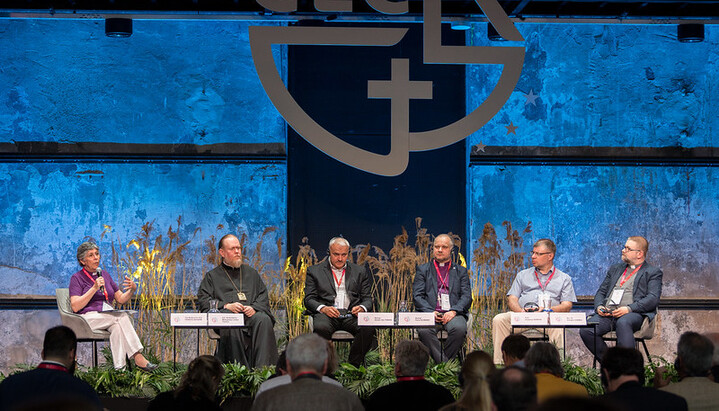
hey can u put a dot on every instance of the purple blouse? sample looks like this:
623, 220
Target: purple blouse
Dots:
80, 283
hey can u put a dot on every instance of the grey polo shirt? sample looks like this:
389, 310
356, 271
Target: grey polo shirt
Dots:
526, 287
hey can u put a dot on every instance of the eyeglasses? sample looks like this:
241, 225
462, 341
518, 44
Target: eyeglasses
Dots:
540, 254
629, 249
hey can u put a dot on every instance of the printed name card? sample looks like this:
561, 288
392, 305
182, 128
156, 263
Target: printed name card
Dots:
375, 319
225, 320
415, 319
530, 319
188, 319
567, 319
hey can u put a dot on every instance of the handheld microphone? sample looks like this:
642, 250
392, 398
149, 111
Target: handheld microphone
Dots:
98, 274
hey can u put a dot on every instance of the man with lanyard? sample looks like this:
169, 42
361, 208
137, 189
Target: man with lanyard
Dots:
336, 290
52, 384
629, 293
540, 287
442, 287
238, 288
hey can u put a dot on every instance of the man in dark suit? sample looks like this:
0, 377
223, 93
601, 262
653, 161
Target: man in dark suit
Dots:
623, 377
629, 293
306, 363
51, 385
335, 292
443, 288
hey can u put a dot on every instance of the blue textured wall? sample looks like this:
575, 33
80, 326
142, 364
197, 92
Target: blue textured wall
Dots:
170, 82
615, 86
47, 209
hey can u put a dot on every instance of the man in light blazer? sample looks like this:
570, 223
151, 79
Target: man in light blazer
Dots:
629, 293
443, 288
335, 292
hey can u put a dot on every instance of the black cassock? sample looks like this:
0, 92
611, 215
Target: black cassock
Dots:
254, 345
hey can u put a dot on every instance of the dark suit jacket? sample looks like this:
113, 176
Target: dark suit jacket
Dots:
647, 288
424, 289
320, 286
308, 394
634, 397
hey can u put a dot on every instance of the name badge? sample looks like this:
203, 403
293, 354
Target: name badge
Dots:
340, 300
242, 296
616, 297
106, 306
444, 302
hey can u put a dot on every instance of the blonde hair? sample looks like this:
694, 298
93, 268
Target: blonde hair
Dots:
477, 368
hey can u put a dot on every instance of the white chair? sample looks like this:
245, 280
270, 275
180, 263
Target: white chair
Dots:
77, 323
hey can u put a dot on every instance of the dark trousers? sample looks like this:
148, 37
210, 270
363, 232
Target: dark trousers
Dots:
324, 326
625, 327
456, 333
254, 346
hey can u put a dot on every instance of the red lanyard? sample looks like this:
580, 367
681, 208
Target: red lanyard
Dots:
625, 277
554, 270
341, 277
51, 366
416, 378
442, 282
104, 289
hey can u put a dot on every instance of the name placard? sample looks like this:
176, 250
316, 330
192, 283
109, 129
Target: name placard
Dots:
530, 319
567, 319
375, 319
416, 319
225, 320
188, 319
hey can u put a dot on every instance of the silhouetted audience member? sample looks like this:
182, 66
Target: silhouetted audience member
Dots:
411, 391
623, 377
51, 385
514, 348
694, 359
306, 362
543, 360
197, 389
513, 389
477, 369
578, 403
282, 377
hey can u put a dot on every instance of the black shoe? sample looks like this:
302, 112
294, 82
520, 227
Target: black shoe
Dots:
150, 367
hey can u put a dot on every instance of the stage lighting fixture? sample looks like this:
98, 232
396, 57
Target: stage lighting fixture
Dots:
492, 33
460, 25
690, 33
118, 27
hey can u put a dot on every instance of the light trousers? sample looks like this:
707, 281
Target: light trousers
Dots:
124, 341
502, 327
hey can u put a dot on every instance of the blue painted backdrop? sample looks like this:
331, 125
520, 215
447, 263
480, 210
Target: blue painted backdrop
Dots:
606, 86
172, 82
194, 82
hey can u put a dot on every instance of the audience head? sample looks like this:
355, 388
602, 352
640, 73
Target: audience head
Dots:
514, 348
578, 403
474, 377
202, 378
544, 357
307, 353
620, 365
513, 389
60, 344
695, 352
410, 358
